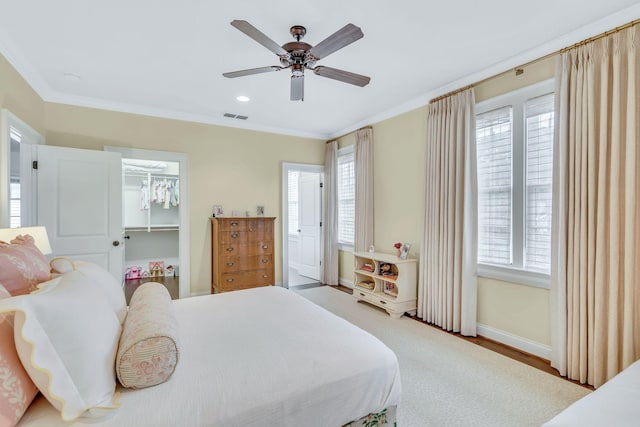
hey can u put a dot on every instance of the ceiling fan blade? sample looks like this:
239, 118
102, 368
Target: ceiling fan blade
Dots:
343, 76
341, 38
251, 71
258, 36
297, 88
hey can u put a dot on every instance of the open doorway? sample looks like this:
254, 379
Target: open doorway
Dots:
302, 225
155, 220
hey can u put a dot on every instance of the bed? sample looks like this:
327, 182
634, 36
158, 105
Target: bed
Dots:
258, 357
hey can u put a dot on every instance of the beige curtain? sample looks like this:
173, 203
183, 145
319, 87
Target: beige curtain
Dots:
448, 284
596, 248
329, 269
363, 159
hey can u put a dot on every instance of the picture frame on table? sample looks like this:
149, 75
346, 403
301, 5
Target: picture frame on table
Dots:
404, 252
260, 211
217, 211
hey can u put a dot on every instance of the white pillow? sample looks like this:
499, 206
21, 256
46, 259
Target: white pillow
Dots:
66, 336
93, 272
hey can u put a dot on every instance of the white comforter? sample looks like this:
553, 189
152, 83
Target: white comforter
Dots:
259, 357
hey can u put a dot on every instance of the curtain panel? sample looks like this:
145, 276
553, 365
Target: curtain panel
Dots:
595, 275
447, 290
363, 158
329, 271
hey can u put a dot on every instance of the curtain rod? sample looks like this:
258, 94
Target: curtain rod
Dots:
353, 131
519, 70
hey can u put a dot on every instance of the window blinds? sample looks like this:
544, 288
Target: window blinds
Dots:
346, 198
494, 154
539, 164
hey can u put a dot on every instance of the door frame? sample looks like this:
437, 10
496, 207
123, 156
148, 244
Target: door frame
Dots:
184, 287
286, 168
31, 137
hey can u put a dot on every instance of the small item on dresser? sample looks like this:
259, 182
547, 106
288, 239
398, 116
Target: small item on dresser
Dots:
260, 211
390, 288
217, 211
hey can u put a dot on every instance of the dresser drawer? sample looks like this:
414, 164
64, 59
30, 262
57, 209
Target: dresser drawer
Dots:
233, 224
243, 236
246, 249
230, 264
245, 280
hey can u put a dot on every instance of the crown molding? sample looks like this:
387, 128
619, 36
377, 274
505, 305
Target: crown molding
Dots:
600, 26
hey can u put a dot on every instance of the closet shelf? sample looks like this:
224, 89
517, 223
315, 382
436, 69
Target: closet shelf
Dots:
155, 227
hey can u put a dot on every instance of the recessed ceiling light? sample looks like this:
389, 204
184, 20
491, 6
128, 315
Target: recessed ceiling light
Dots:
243, 98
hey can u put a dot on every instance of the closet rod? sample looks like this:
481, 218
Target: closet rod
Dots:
153, 175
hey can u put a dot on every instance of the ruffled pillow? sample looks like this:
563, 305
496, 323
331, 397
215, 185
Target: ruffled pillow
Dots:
22, 265
16, 388
66, 335
148, 349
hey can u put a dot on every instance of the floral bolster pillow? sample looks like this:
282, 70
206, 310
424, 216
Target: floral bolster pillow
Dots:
148, 349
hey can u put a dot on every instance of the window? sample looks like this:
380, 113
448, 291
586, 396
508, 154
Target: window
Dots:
514, 137
346, 196
15, 217
292, 198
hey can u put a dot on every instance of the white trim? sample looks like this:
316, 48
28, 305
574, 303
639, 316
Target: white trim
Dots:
345, 282
199, 293
524, 344
183, 208
28, 196
284, 225
9, 50
515, 275
604, 24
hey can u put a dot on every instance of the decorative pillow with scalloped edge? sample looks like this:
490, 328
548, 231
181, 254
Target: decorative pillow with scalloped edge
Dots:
16, 388
22, 265
66, 335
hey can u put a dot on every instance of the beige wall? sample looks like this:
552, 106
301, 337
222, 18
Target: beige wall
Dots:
18, 97
235, 168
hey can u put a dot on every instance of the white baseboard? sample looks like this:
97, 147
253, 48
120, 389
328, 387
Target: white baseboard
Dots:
345, 282
524, 344
197, 294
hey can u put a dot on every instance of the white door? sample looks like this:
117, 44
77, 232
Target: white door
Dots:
80, 203
309, 224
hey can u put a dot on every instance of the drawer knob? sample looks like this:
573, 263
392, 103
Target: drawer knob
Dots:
234, 224
251, 229
361, 294
230, 264
265, 247
229, 249
229, 280
234, 235
383, 302
264, 261
265, 276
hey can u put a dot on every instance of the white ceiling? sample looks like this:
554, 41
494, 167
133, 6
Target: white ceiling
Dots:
166, 58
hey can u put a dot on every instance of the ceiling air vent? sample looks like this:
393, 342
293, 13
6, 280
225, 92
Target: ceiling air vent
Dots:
236, 116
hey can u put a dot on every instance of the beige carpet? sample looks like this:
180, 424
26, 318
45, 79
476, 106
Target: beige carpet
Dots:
447, 381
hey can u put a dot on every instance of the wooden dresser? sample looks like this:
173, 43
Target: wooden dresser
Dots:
242, 254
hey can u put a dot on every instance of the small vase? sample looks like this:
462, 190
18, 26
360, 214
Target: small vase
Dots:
398, 252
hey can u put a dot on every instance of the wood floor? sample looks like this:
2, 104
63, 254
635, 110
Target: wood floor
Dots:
505, 350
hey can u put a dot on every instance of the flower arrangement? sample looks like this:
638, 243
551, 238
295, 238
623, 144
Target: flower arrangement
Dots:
397, 246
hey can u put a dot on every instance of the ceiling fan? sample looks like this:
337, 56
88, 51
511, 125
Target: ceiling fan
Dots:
298, 56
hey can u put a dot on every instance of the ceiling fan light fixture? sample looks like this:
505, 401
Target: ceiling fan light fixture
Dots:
243, 98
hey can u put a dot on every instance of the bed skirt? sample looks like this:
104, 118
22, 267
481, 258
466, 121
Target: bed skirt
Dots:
386, 417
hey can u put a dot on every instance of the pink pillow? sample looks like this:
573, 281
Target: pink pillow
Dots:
16, 388
22, 265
